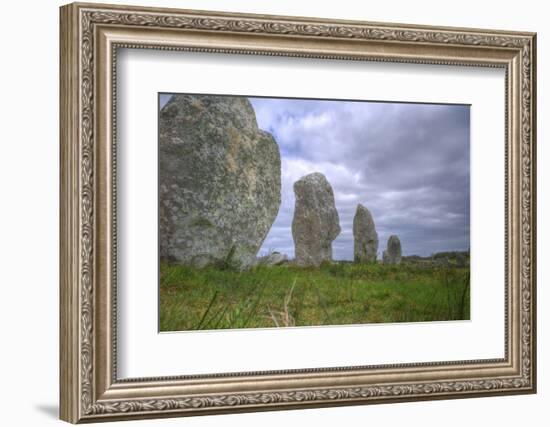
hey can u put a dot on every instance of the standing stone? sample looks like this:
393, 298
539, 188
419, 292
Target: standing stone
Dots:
365, 238
315, 224
392, 254
219, 181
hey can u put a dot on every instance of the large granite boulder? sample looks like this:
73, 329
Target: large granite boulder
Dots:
392, 254
315, 224
365, 237
219, 181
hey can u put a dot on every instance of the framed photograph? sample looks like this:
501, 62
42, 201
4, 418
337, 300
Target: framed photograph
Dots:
267, 212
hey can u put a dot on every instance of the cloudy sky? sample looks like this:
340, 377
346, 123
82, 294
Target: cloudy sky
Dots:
409, 164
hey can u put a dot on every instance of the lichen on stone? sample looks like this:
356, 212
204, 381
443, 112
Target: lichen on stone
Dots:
220, 181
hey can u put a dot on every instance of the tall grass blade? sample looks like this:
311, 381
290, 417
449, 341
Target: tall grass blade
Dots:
210, 304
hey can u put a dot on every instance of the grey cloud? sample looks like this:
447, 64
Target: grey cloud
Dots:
408, 163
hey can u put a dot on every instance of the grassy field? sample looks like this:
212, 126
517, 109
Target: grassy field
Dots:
334, 294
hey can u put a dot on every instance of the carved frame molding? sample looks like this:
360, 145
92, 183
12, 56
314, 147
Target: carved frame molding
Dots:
90, 36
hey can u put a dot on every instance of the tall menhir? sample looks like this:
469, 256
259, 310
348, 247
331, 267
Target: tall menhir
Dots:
316, 223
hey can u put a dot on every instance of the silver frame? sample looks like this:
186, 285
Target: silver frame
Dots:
90, 37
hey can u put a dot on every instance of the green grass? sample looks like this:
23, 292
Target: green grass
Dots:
334, 294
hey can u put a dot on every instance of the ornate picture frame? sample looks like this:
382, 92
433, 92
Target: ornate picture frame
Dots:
90, 37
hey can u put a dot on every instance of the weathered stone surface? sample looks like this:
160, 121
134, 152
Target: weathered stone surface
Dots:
315, 224
365, 237
392, 254
219, 181
274, 258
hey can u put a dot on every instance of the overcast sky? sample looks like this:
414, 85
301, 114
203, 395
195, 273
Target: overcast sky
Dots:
409, 164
